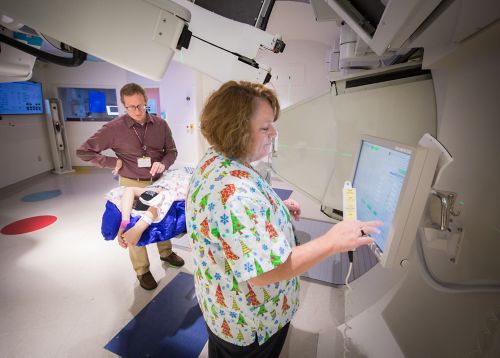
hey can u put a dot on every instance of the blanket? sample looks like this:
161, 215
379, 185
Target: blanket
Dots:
171, 219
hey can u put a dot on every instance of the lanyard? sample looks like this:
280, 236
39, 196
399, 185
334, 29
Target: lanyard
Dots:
141, 141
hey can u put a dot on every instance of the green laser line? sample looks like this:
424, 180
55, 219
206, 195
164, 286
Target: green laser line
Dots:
319, 149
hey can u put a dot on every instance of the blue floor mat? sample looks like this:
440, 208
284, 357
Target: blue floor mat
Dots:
42, 195
171, 325
283, 193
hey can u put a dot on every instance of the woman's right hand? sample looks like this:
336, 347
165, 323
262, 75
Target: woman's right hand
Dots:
348, 235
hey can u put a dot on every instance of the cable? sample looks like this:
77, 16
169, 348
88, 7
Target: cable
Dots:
349, 271
346, 325
447, 287
241, 58
78, 56
211, 43
60, 47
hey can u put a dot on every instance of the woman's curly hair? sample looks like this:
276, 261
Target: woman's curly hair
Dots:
225, 119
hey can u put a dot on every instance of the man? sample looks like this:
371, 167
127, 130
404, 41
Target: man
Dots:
145, 148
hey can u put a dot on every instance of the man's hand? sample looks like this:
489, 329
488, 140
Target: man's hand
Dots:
118, 166
157, 168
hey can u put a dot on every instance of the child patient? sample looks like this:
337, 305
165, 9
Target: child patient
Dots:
141, 208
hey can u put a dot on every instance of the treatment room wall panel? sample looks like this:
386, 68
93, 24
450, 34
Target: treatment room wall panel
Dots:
317, 138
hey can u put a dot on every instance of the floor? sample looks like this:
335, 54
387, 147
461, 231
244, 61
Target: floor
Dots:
65, 292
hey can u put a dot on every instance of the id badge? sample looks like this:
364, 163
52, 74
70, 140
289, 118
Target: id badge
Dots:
144, 162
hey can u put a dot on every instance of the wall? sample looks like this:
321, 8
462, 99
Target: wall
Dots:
300, 72
24, 145
27, 141
89, 74
178, 84
321, 135
24, 141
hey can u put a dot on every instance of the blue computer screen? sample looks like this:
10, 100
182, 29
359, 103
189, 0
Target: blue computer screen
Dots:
378, 179
97, 101
21, 98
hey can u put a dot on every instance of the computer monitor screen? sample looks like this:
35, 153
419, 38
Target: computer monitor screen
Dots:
379, 178
112, 110
392, 182
21, 98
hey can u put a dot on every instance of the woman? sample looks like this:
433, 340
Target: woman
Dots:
246, 261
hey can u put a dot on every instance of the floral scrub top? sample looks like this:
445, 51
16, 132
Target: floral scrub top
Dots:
239, 228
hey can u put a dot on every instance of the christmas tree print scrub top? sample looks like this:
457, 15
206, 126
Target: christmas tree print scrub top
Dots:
239, 228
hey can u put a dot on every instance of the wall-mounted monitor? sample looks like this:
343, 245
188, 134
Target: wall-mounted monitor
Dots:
88, 104
112, 110
21, 98
393, 183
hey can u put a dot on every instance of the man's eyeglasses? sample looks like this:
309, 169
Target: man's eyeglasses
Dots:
140, 107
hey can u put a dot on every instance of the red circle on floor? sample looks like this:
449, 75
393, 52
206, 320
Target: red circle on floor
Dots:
28, 225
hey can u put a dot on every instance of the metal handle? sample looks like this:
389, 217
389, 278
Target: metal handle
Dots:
447, 199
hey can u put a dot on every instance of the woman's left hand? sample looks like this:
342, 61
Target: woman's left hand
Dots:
293, 207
